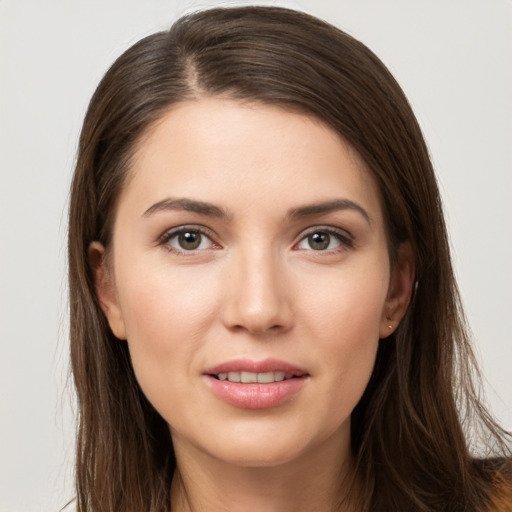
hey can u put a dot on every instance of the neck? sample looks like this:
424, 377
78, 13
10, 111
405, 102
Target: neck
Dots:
318, 481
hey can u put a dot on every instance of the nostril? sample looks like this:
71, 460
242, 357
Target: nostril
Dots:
256, 311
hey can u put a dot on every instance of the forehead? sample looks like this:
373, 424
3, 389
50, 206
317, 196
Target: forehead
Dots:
245, 155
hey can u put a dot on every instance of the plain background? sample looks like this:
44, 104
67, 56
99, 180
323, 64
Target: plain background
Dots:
453, 59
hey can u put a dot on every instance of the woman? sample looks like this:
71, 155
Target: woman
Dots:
263, 308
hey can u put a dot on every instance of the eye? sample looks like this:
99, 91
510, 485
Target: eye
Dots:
187, 240
325, 240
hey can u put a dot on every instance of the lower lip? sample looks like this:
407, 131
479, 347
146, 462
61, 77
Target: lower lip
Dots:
254, 395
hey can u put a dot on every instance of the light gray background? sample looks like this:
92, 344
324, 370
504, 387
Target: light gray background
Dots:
453, 58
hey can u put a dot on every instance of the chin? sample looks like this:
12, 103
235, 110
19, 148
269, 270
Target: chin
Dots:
258, 455
271, 445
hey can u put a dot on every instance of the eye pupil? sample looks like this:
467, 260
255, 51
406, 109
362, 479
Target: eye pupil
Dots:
319, 241
189, 240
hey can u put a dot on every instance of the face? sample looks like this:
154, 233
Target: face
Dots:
249, 245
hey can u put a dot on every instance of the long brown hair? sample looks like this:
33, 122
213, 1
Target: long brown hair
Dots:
409, 431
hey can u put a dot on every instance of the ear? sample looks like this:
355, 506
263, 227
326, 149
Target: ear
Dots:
399, 292
106, 290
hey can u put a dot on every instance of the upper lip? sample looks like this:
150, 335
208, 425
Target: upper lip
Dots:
263, 366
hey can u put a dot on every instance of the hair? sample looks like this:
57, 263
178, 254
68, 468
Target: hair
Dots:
410, 430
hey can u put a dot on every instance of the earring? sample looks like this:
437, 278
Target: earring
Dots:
390, 326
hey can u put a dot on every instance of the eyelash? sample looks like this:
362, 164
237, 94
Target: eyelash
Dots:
169, 235
343, 237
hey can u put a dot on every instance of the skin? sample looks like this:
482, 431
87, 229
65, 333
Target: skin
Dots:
256, 288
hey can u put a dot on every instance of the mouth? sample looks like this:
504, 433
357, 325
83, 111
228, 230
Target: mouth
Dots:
245, 377
249, 384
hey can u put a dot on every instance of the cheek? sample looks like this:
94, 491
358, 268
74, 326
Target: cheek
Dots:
164, 304
345, 321
167, 315
349, 306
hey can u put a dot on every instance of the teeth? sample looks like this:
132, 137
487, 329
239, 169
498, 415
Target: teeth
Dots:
234, 376
248, 377
278, 376
252, 377
265, 378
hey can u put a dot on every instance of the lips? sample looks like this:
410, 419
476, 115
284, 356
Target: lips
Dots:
255, 384
252, 377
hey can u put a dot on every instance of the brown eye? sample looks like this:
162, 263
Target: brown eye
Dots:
189, 240
328, 239
319, 241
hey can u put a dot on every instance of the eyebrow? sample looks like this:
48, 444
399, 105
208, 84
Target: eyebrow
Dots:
211, 210
328, 207
188, 205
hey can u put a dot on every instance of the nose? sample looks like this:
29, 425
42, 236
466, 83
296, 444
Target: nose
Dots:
258, 294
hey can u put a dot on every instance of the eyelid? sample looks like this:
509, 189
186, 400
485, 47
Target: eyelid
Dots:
172, 232
345, 237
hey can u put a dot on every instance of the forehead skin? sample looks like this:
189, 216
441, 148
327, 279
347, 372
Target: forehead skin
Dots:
178, 127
